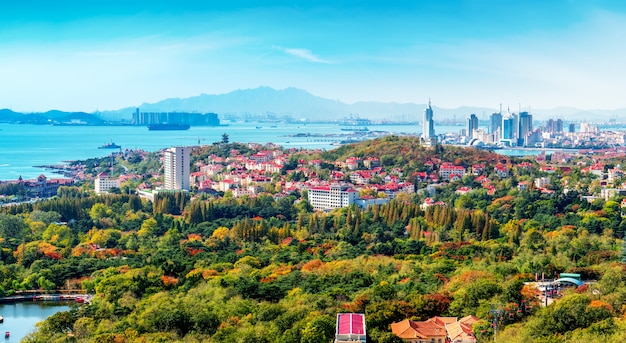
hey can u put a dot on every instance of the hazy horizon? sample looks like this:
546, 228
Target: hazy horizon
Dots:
78, 56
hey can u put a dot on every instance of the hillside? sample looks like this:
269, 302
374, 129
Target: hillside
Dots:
406, 152
193, 267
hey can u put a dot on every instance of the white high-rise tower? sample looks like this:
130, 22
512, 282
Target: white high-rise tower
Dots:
176, 167
428, 123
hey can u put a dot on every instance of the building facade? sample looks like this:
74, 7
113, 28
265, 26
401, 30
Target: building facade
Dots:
428, 123
176, 168
496, 123
190, 118
103, 183
508, 127
472, 124
331, 197
525, 127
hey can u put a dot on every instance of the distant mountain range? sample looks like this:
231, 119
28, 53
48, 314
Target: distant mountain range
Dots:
298, 104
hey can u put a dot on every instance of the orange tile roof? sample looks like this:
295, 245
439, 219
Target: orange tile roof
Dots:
469, 320
408, 329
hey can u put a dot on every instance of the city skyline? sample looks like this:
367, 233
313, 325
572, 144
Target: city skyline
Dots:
79, 56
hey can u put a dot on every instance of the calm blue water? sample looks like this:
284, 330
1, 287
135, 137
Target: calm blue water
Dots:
20, 318
24, 146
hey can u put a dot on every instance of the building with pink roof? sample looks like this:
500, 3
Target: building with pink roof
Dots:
350, 328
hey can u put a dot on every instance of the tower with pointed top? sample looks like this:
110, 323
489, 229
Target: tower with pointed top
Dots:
428, 123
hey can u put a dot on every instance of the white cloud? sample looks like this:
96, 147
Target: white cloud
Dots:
304, 54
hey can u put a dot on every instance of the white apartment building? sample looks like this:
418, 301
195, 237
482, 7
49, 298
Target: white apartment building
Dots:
103, 183
176, 168
331, 197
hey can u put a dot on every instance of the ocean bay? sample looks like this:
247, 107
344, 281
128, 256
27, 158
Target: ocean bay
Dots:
24, 146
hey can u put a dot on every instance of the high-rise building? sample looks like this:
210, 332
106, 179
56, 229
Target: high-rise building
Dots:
496, 122
472, 124
558, 127
508, 126
572, 127
189, 118
428, 123
176, 165
525, 127
554, 126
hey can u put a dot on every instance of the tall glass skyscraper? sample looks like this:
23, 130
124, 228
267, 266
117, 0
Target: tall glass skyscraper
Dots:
508, 126
428, 122
472, 124
496, 123
525, 127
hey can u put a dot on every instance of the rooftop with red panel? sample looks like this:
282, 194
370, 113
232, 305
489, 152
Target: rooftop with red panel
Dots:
350, 328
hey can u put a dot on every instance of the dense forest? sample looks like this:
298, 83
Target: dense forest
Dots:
198, 268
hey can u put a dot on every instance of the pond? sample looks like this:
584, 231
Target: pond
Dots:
20, 317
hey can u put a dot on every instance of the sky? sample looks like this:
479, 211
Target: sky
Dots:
106, 55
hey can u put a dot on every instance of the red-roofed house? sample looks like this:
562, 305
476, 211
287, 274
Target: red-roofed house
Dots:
361, 177
478, 168
430, 202
419, 332
448, 171
352, 163
420, 176
502, 170
437, 330
463, 190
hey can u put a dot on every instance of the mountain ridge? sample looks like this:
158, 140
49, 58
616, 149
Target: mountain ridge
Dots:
300, 104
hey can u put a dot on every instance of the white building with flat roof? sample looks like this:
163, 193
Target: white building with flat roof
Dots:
103, 183
332, 196
176, 168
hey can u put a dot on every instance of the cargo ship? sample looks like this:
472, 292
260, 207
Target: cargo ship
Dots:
162, 127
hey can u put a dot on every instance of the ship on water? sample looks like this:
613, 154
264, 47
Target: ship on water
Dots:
164, 127
110, 145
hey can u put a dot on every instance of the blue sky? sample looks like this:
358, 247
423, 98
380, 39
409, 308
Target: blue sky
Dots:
103, 55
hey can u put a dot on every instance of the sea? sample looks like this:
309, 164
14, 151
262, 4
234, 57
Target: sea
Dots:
25, 148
